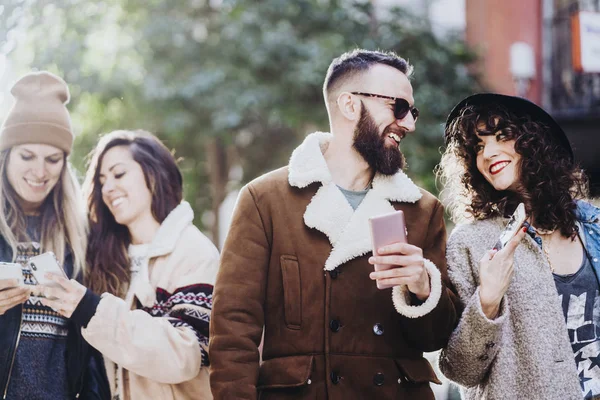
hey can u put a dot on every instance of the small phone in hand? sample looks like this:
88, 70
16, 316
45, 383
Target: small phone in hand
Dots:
512, 227
12, 271
387, 229
40, 265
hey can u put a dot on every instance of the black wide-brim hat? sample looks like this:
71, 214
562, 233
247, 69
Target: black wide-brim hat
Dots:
516, 105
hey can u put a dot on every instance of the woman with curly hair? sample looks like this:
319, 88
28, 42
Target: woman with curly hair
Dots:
531, 327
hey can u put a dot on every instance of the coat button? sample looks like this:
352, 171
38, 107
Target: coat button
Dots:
334, 325
483, 357
335, 378
489, 345
378, 329
378, 379
333, 274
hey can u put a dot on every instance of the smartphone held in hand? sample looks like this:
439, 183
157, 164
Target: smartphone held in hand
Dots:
512, 227
12, 271
387, 229
42, 264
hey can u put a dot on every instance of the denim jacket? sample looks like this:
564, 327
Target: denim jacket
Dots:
589, 217
86, 374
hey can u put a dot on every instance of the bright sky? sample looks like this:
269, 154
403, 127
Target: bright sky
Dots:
4, 86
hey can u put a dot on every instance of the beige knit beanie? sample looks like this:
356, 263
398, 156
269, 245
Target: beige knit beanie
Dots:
39, 114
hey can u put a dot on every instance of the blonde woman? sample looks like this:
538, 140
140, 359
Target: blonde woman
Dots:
42, 354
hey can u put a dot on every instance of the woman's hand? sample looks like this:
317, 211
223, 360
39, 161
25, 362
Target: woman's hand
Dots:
495, 274
64, 299
12, 295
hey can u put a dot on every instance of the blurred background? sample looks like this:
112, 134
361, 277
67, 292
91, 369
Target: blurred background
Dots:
233, 86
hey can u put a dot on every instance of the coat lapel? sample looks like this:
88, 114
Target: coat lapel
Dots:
329, 211
163, 243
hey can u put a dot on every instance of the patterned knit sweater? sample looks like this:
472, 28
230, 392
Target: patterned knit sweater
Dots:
39, 369
525, 352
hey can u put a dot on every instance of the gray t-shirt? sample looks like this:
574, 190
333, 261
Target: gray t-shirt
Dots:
354, 198
579, 296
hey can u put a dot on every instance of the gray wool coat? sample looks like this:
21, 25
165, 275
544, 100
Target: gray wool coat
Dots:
525, 353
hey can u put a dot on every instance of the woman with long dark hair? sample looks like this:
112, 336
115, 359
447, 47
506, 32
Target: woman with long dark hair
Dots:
42, 353
531, 327
154, 269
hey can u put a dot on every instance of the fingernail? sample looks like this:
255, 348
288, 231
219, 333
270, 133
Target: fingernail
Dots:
381, 250
371, 259
524, 229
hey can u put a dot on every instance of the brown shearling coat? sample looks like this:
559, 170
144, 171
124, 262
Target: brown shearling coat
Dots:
295, 263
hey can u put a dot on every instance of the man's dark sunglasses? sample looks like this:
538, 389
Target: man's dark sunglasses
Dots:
401, 106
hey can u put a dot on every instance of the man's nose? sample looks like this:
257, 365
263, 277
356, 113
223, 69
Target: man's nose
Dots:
408, 122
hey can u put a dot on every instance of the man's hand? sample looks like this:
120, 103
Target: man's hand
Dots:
495, 274
401, 264
12, 295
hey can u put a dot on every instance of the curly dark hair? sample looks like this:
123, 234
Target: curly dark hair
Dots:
549, 180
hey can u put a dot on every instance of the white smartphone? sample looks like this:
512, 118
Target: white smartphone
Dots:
43, 263
387, 229
12, 271
512, 227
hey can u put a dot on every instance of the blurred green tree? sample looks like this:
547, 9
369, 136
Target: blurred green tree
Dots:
232, 85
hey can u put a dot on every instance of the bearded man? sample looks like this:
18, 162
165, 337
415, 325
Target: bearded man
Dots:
298, 261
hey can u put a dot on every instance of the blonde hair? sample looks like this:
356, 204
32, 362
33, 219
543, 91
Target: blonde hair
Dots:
450, 172
63, 219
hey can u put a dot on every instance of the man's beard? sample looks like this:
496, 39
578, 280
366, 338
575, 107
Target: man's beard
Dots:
371, 146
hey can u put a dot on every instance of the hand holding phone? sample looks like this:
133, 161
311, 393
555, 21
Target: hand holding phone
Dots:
496, 267
45, 263
512, 227
13, 290
387, 229
13, 272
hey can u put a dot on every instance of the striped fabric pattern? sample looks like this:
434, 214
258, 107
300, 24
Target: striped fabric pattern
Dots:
188, 306
39, 321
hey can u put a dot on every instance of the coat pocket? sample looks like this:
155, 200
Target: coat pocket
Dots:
286, 378
285, 372
416, 370
292, 291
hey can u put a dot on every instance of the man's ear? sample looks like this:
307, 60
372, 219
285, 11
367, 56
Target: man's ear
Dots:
349, 106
